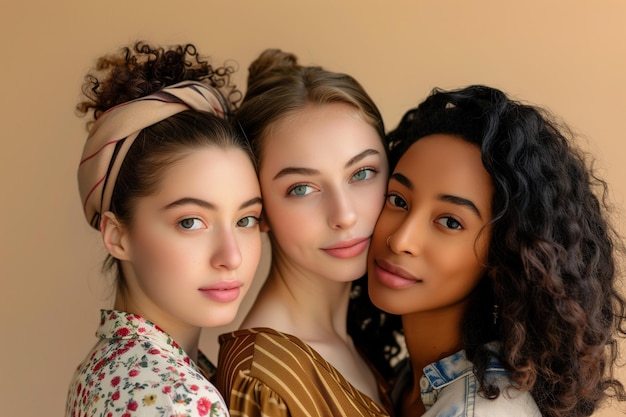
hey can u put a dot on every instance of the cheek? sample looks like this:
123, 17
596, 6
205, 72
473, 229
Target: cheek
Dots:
149, 261
462, 268
387, 222
370, 205
250, 247
154, 250
380, 234
292, 220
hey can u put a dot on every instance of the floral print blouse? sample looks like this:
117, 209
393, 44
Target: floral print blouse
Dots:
136, 369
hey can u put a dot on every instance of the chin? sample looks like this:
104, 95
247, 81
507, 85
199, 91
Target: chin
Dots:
217, 319
380, 299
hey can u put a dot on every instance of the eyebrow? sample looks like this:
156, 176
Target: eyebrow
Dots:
207, 205
402, 180
459, 201
310, 171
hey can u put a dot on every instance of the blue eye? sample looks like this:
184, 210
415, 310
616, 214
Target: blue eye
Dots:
397, 201
450, 223
364, 174
248, 222
191, 223
300, 190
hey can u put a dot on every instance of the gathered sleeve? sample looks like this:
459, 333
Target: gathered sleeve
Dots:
250, 397
266, 373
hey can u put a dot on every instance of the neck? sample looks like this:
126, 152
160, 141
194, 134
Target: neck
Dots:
299, 303
185, 335
432, 336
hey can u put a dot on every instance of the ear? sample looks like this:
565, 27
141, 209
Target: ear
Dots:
264, 226
114, 236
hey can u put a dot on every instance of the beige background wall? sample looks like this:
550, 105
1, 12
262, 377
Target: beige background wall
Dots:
565, 54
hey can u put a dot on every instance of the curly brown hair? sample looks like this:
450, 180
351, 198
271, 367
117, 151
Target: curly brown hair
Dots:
141, 69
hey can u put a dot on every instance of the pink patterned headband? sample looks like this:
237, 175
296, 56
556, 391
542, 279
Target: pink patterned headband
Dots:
114, 132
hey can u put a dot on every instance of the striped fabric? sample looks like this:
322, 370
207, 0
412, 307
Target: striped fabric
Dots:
115, 131
266, 373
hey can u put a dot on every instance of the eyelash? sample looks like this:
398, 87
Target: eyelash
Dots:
180, 223
390, 197
290, 191
255, 222
374, 171
450, 218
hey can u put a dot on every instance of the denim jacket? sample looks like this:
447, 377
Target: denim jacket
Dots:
450, 389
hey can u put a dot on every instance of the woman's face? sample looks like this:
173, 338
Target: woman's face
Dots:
430, 243
194, 245
323, 176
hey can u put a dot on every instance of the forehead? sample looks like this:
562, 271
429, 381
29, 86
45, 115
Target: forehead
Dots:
328, 130
445, 148
208, 169
447, 164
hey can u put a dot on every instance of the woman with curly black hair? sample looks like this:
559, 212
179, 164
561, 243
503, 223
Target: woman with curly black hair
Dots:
171, 186
495, 248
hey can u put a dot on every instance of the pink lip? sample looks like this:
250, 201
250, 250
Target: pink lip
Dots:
223, 291
393, 276
348, 248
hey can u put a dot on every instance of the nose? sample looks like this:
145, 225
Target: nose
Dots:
408, 238
341, 209
227, 254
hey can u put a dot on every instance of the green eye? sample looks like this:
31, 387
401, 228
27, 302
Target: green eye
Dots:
247, 222
191, 223
364, 174
300, 190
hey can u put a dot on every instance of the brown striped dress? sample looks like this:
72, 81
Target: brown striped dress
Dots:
262, 372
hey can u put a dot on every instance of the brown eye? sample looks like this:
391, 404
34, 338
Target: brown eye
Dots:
397, 201
450, 223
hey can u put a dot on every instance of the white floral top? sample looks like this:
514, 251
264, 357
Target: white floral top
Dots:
136, 369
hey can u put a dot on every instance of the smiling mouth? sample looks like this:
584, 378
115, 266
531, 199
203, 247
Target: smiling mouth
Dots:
393, 276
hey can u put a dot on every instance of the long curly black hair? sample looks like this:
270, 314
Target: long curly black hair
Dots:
552, 265
377, 334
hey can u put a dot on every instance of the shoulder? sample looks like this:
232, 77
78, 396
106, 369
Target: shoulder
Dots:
262, 353
132, 375
450, 388
278, 373
256, 349
460, 397
245, 347
509, 402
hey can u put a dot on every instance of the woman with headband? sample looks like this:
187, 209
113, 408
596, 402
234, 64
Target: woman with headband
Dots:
172, 189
